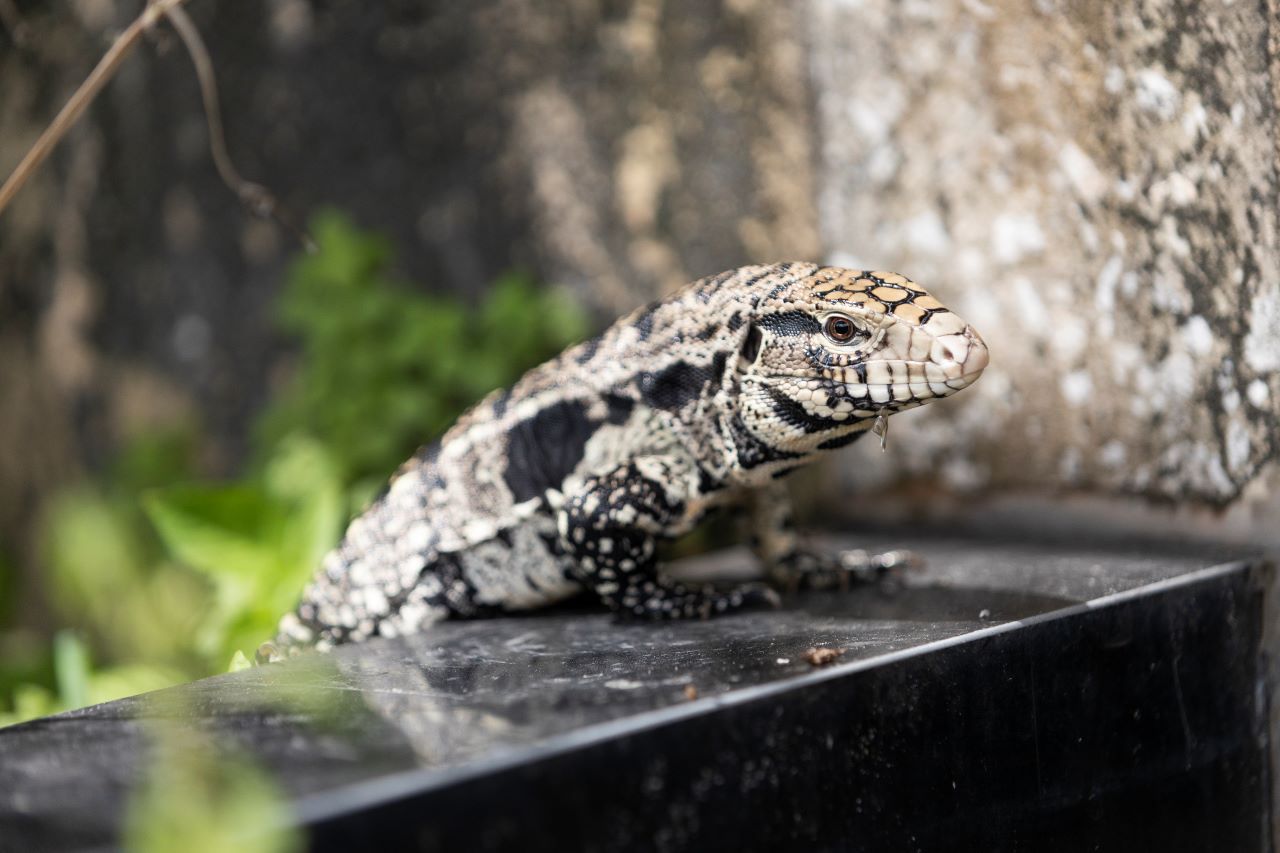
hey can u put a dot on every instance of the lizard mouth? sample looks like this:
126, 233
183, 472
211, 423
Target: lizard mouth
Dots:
907, 382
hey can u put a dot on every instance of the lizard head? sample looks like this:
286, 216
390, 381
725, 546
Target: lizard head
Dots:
827, 356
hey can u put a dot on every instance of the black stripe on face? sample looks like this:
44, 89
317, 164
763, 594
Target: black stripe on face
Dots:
752, 452
789, 323
842, 440
791, 412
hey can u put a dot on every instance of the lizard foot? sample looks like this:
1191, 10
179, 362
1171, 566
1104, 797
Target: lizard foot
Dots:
661, 600
842, 569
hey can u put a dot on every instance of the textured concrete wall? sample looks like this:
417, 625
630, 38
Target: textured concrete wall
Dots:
1095, 187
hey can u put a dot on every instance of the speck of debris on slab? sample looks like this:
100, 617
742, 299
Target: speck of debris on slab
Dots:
822, 656
690, 692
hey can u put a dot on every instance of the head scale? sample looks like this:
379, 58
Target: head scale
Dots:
828, 353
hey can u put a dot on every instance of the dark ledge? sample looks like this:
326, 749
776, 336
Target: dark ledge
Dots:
1013, 696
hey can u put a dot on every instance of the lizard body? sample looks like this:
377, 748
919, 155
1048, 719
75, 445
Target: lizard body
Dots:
569, 478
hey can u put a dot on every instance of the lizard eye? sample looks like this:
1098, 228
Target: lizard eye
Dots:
840, 329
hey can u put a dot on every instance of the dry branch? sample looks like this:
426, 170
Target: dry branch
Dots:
257, 198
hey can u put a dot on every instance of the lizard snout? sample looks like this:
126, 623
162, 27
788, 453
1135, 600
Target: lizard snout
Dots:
961, 357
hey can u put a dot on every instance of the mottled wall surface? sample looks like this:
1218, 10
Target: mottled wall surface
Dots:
1093, 185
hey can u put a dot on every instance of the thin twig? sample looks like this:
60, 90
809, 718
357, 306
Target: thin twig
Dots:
257, 198
83, 96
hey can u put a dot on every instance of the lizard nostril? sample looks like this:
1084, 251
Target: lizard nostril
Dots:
948, 348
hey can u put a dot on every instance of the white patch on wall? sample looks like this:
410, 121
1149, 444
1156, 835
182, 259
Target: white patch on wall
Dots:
971, 265
1080, 170
1262, 344
1104, 294
1259, 394
848, 260
1176, 381
1168, 293
1076, 387
1129, 285
1168, 237
1113, 82
1035, 316
981, 308
1112, 454
1195, 120
1069, 465
875, 119
1176, 189
882, 163
962, 475
1126, 360
925, 233
1155, 94
1070, 336
1197, 335
1238, 446
1014, 236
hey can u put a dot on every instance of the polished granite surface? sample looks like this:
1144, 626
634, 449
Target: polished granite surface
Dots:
471, 698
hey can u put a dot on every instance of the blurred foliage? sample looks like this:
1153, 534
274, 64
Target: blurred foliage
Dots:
78, 684
255, 542
164, 577
381, 366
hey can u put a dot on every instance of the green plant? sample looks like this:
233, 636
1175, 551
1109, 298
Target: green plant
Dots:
384, 367
256, 541
78, 684
169, 577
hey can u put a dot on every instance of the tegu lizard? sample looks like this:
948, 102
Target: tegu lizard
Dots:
570, 478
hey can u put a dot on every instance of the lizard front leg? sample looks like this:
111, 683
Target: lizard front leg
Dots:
609, 529
793, 566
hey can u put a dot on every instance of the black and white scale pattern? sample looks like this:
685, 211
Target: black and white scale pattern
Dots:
569, 478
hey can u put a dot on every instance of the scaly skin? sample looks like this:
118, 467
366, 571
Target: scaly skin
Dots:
570, 478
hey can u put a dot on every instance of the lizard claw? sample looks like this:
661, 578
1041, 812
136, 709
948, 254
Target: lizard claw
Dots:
864, 566
268, 652
763, 594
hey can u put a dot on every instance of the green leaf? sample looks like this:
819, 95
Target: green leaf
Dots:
30, 701
71, 666
220, 530
117, 682
92, 550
